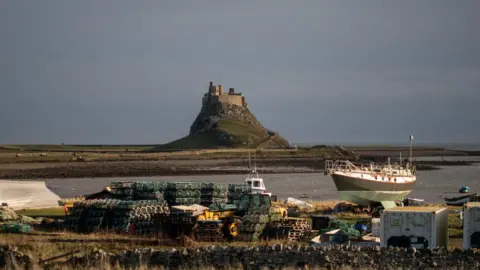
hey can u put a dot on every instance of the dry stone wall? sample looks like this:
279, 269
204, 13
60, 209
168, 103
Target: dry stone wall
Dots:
274, 256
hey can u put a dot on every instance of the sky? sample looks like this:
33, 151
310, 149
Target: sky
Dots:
134, 72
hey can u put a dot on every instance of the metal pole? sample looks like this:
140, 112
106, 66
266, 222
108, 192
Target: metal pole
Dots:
411, 145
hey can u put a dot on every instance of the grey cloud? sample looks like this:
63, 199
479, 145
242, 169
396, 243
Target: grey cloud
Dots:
124, 72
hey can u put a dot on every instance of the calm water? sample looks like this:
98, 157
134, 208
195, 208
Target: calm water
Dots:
430, 184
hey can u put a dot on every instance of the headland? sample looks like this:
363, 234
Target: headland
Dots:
79, 161
218, 142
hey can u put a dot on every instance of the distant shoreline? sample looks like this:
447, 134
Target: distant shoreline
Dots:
30, 162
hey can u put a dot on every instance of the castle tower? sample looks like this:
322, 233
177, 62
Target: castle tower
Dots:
216, 94
214, 90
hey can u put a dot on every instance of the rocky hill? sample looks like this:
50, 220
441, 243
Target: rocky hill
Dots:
225, 121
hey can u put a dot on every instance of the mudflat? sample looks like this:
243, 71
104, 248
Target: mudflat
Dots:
38, 162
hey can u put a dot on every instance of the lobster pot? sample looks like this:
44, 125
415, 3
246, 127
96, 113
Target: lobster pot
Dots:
121, 185
275, 217
141, 216
184, 186
212, 193
153, 190
252, 227
241, 188
183, 193
157, 196
208, 202
122, 189
249, 236
233, 202
256, 218
151, 186
222, 207
183, 201
236, 191
121, 223
91, 214
117, 215
15, 228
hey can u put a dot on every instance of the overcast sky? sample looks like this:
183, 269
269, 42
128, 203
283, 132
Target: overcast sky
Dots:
118, 71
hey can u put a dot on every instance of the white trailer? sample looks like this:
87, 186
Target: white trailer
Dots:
471, 225
414, 226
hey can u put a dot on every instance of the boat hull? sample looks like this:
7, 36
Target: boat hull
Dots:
460, 200
367, 192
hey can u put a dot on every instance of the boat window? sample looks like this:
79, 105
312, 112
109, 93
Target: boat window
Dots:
256, 184
249, 183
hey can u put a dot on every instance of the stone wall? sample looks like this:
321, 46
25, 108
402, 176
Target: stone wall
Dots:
229, 99
225, 99
276, 256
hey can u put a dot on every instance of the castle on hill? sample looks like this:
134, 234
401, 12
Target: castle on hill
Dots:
216, 94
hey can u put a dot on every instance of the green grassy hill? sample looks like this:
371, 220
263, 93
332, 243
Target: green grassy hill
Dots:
227, 133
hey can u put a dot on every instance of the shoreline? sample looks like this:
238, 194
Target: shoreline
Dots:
145, 169
19, 164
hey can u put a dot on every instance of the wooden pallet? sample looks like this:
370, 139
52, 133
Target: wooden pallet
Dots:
302, 228
294, 222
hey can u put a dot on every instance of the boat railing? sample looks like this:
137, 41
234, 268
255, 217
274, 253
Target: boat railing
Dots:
339, 165
348, 166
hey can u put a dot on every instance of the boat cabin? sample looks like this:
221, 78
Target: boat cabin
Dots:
256, 184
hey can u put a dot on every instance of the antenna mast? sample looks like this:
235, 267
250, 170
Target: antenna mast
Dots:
411, 145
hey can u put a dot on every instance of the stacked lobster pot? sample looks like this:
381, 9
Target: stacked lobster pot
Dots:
236, 191
89, 215
274, 228
212, 193
149, 191
137, 216
255, 221
183, 193
122, 190
77, 213
118, 215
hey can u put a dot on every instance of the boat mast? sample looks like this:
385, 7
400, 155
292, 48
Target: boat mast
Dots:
400, 159
411, 145
249, 162
255, 163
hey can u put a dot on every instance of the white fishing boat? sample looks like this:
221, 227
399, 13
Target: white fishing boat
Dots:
369, 184
254, 180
